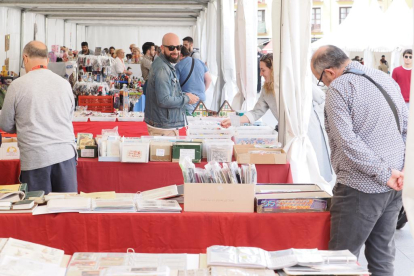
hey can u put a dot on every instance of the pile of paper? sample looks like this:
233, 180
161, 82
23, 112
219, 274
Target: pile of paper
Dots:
117, 205
158, 206
292, 261
67, 205
25, 258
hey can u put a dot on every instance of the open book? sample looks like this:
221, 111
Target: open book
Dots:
160, 193
252, 257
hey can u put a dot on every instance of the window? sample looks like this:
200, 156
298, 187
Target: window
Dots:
343, 13
261, 16
316, 19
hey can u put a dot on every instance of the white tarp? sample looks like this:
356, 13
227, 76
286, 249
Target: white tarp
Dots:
40, 21
10, 24
55, 32
70, 35
80, 36
212, 56
296, 88
28, 27
228, 64
395, 31
121, 37
246, 55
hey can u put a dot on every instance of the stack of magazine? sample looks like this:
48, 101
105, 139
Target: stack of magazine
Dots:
158, 206
227, 173
292, 261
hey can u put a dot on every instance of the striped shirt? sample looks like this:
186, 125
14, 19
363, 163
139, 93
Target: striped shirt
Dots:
363, 135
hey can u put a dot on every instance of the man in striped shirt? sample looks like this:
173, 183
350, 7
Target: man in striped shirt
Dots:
368, 146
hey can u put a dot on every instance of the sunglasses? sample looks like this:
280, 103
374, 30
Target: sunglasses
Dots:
410, 57
172, 47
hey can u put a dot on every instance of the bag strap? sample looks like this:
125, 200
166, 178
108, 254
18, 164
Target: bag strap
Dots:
384, 93
189, 74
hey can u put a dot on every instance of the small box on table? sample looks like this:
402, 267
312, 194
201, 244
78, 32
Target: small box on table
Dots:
161, 151
249, 154
192, 149
211, 197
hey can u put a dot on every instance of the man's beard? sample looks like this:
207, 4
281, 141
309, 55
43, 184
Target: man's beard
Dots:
171, 59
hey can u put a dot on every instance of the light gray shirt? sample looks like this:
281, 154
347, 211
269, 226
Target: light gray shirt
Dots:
265, 102
39, 108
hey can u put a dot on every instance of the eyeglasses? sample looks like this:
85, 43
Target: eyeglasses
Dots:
410, 57
320, 82
172, 47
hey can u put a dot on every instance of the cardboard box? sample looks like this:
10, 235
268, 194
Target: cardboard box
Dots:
243, 155
209, 197
314, 201
9, 149
161, 151
88, 152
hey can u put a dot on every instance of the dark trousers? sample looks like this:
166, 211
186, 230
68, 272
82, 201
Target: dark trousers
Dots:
60, 177
359, 218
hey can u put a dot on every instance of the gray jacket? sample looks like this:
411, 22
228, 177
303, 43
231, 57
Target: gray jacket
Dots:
266, 101
165, 102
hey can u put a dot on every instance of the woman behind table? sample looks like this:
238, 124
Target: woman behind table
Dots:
119, 63
267, 99
136, 55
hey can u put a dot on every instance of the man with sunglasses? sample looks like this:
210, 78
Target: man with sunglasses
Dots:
165, 102
402, 75
366, 121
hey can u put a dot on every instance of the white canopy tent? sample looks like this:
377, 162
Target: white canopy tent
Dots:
137, 21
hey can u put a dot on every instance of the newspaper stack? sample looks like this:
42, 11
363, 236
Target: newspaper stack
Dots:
158, 206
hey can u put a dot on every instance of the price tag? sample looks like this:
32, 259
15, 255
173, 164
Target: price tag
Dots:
160, 152
187, 152
87, 153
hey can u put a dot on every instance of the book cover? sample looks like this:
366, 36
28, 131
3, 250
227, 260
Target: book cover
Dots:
296, 205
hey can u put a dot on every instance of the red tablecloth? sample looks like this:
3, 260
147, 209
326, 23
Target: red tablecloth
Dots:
9, 171
96, 176
127, 129
168, 233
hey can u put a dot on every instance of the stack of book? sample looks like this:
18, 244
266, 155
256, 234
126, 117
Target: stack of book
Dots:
16, 199
158, 206
69, 205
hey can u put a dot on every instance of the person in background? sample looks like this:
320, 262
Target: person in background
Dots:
188, 43
105, 51
112, 51
356, 58
367, 152
165, 102
267, 99
383, 67
136, 55
148, 48
129, 58
39, 107
131, 47
362, 61
383, 59
195, 81
157, 52
120, 64
402, 75
85, 49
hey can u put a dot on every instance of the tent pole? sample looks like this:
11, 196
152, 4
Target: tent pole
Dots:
22, 17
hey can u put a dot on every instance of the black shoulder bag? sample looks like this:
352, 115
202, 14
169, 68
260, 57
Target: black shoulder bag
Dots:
384, 93
189, 74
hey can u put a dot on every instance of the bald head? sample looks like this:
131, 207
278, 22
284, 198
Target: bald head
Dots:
171, 39
328, 57
35, 49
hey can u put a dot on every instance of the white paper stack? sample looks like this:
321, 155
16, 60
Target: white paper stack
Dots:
160, 193
158, 206
117, 205
307, 259
137, 271
30, 259
67, 205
